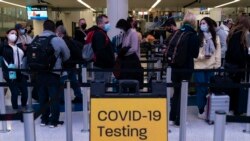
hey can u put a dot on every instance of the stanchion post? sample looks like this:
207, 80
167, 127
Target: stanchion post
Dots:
85, 102
29, 126
247, 130
183, 110
29, 107
219, 126
3, 124
168, 80
68, 112
158, 73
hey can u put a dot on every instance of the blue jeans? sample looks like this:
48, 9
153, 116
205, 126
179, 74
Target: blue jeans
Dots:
49, 96
74, 83
201, 92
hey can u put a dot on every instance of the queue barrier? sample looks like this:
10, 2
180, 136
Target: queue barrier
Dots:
84, 70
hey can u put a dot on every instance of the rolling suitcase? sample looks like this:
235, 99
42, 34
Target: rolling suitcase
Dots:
215, 103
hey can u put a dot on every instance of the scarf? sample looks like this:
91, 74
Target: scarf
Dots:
209, 47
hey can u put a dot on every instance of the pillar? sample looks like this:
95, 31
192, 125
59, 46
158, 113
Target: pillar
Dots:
116, 10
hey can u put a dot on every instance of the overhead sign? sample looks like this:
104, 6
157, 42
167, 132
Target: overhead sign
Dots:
128, 119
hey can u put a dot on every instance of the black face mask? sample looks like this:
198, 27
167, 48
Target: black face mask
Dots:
83, 26
170, 30
29, 31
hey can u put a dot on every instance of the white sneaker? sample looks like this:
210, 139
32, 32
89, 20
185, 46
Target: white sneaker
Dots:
202, 116
171, 123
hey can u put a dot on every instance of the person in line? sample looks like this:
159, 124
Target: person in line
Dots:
226, 25
102, 48
129, 54
192, 43
236, 56
170, 25
81, 32
49, 82
23, 39
13, 59
75, 56
209, 58
223, 41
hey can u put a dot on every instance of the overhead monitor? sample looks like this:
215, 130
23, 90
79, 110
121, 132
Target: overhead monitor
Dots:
37, 12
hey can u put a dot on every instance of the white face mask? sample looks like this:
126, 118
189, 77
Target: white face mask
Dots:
12, 37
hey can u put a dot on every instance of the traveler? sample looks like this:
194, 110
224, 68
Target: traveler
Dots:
223, 41
227, 25
49, 82
23, 40
129, 53
75, 56
209, 58
81, 32
191, 43
170, 25
13, 59
102, 47
236, 56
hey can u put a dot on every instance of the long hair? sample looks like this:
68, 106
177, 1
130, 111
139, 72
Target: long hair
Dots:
211, 29
242, 25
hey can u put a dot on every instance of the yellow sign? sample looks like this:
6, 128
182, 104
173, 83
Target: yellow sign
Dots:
128, 119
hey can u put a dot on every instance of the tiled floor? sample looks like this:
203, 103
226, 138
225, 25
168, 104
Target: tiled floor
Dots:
197, 130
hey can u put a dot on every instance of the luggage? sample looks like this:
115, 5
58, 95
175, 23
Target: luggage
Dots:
215, 103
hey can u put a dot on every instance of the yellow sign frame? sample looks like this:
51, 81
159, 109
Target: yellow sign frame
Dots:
128, 119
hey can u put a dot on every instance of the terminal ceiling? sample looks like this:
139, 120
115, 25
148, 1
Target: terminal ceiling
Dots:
143, 4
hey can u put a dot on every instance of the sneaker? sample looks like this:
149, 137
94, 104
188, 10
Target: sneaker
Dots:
44, 123
171, 123
55, 124
202, 116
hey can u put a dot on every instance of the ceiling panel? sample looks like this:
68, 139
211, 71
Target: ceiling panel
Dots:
145, 4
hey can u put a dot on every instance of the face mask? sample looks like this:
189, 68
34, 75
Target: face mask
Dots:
12, 37
107, 27
170, 30
204, 28
83, 26
22, 31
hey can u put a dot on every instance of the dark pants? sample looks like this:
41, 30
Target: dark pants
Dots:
74, 83
49, 96
177, 77
17, 87
235, 92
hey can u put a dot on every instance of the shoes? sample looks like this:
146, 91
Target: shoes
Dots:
55, 124
77, 100
202, 116
44, 123
171, 123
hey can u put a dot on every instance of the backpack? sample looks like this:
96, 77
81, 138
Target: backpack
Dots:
176, 50
87, 51
41, 54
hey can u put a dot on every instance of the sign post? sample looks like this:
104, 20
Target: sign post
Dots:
128, 119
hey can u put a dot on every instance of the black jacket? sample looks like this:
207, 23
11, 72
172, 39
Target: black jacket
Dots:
75, 52
102, 47
193, 46
80, 36
6, 52
236, 53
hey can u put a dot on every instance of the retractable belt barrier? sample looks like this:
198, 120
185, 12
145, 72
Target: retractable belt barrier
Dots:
167, 84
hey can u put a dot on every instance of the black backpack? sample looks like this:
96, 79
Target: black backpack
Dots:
41, 54
176, 51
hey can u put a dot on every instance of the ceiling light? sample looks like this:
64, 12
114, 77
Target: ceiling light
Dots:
227, 3
10, 3
86, 5
154, 5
